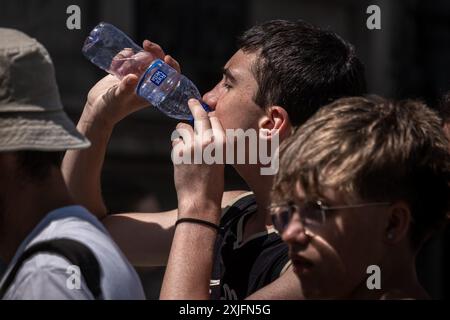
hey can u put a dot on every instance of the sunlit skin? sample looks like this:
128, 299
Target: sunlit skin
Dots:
331, 260
232, 102
127, 62
232, 97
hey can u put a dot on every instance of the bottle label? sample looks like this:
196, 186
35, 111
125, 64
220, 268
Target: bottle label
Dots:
158, 77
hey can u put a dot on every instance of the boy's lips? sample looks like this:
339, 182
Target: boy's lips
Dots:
300, 263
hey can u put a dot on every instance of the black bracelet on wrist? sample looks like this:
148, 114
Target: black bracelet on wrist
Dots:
198, 221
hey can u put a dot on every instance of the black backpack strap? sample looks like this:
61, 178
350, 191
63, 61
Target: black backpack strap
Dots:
233, 213
236, 210
74, 251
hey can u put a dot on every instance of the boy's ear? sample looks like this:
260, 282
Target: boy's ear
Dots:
398, 222
275, 121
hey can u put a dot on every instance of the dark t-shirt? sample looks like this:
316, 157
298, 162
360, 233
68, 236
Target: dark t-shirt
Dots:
241, 268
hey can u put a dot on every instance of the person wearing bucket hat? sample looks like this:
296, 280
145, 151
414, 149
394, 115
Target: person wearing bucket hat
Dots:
53, 248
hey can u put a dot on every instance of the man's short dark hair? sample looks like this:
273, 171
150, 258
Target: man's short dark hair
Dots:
302, 67
36, 165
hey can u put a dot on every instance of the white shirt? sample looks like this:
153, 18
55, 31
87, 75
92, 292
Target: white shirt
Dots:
45, 276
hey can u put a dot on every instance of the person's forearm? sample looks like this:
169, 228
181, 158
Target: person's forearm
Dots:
145, 238
188, 271
82, 168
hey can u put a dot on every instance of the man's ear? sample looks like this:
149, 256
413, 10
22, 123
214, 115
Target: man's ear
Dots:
398, 222
275, 121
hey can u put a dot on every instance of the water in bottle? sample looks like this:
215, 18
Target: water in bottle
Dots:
113, 51
168, 90
161, 85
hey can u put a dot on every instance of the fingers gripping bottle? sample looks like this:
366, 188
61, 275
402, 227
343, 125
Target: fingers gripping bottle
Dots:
162, 86
168, 90
113, 51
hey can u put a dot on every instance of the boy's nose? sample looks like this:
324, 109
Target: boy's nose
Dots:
295, 233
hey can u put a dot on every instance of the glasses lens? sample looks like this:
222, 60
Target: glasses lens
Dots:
281, 216
312, 214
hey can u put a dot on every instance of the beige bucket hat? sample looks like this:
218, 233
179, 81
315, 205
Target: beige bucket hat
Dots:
31, 112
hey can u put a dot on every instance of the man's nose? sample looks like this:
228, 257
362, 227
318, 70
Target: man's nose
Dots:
210, 98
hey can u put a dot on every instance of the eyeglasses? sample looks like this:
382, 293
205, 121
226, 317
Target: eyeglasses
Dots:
312, 213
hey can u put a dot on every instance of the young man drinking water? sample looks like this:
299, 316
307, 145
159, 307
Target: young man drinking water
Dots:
282, 74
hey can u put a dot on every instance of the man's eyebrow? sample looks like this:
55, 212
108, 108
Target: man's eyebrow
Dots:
227, 73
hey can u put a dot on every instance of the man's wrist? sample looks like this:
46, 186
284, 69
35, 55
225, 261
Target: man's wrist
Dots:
205, 211
201, 222
92, 119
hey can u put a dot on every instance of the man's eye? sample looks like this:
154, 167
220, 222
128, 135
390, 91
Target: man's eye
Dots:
227, 86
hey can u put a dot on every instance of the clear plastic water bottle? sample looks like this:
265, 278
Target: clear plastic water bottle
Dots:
168, 90
113, 51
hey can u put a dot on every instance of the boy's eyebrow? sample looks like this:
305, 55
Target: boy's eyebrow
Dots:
228, 74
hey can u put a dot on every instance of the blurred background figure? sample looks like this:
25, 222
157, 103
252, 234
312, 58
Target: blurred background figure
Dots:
45, 237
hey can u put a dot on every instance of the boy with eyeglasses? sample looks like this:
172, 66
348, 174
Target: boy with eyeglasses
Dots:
364, 182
